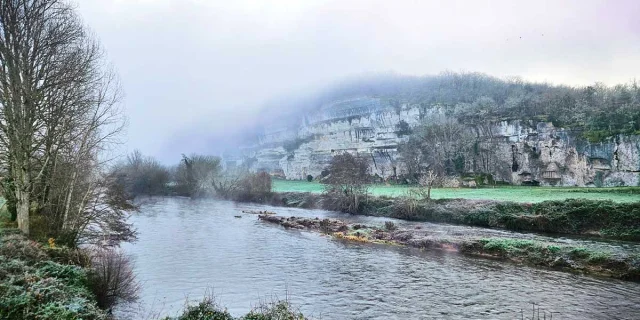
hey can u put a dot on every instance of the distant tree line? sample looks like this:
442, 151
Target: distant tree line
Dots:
598, 110
195, 176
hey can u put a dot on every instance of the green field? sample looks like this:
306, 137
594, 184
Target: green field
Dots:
517, 194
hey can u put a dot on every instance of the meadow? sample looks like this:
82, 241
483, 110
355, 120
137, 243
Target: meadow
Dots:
502, 193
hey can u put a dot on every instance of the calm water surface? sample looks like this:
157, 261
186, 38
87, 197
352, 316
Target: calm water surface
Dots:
188, 247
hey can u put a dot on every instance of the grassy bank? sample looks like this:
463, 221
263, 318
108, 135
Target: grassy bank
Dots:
566, 258
42, 282
598, 218
37, 282
503, 193
571, 216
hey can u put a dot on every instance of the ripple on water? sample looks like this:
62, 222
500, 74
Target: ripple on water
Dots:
186, 247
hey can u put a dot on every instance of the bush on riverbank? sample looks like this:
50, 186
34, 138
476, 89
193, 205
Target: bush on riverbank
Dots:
209, 309
33, 286
255, 187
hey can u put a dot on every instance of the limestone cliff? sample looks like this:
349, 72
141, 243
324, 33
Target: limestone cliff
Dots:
523, 151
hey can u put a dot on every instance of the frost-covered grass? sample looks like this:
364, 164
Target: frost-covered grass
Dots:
506, 193
209, 309
33, 286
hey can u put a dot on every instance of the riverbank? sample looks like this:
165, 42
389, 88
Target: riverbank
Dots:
50, 282
529, 252
39, 282
595, 218
209, 309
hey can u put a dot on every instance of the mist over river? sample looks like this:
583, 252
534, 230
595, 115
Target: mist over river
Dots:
187, 247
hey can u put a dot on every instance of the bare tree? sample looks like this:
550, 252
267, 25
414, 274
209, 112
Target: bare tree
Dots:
196, 174
59, 109
41, 55
141, 175
227, 184
442, 145
347, 181
113, 278
427, 181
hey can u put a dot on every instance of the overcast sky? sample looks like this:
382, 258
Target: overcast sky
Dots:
192, 69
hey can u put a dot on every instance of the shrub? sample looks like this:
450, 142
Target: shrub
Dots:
325, 225
279, 310
599, 257
207, 309
254, 187
346, 184
403, 128
16, 246
504, 246
32, 287
553, 249
309, 178
450, 182
66, 255
390, 226
579, 253
405, 208
112, 278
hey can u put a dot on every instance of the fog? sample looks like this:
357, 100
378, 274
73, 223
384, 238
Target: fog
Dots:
197, 72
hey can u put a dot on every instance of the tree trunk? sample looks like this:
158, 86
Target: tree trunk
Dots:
356, 204
23, 210
67, 204
429, 192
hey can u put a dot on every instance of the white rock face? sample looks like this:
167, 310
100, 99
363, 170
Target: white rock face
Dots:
524, 151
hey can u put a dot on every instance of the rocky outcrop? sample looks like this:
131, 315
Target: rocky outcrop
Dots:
521, 151
555, 156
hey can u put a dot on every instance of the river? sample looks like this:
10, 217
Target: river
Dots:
188, 247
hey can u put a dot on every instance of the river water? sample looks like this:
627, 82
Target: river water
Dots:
187, 248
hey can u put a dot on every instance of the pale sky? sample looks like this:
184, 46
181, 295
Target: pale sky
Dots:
195, 69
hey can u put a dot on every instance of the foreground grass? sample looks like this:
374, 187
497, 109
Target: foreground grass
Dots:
37, 282
506, 193
44, 281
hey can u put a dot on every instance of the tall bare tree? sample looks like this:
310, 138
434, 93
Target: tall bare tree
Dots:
346, 184
441, 144
196, 174
58, 110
